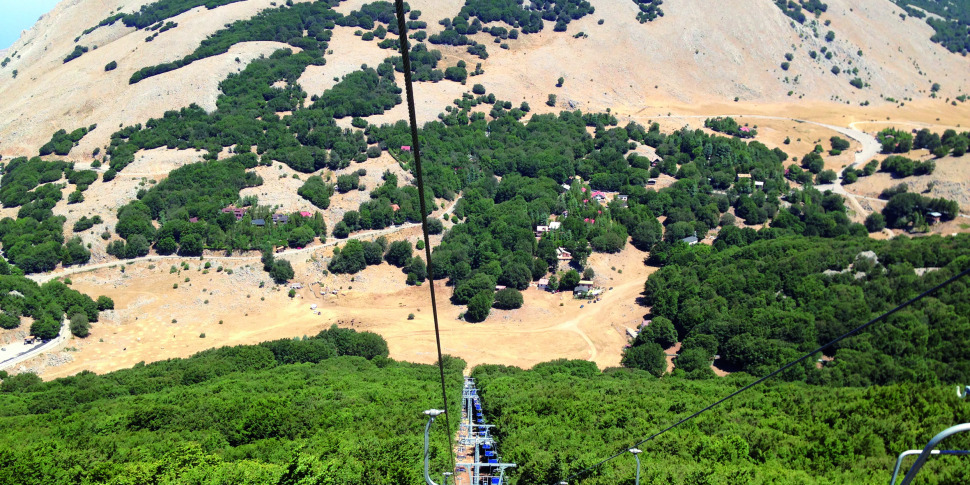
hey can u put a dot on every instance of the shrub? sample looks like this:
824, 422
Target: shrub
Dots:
551, 101
105, 303
110, 66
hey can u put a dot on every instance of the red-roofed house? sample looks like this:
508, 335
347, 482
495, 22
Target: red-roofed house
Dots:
395, 207
406, 148
306, 214
239, 212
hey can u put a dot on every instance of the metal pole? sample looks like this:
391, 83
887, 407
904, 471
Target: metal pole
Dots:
636, 454
927, 451
427, 429
638, 469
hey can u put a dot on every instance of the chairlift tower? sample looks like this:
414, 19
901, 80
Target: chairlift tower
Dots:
486, 468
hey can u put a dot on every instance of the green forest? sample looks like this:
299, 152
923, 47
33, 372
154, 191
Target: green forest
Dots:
564, 416
334, 409
952, 30
46, 305
328, 409
761, 303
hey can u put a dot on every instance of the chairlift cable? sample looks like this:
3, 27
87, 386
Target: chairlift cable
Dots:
416, 150
772, 374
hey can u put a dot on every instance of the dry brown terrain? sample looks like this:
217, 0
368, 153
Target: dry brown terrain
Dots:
695, 60
153, 320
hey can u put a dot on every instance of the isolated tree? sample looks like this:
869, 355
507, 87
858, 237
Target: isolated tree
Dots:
551, 101
80, 326
479, 306
282, 271
105, 303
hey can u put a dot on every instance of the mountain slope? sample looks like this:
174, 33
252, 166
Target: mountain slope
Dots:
692, 55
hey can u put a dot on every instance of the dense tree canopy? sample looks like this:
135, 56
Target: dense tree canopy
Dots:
767, 301
272, 412
775, 433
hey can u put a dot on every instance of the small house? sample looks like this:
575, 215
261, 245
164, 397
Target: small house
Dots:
499, 287
193, 219
405, 148
691, 240
622, 197
30, 339
296, 286
563, 255
933, 217
632, 333
584, 286
395, 207
281, 218
565, 186
543, 284
258, 222
239, 212
540, 230
554, 225
759, 184
305, 214
651, 182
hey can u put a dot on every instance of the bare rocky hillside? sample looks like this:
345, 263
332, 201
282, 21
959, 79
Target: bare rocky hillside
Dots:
695, 55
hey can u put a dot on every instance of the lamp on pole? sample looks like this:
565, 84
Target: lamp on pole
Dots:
431, 413
636, 454
447, 474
